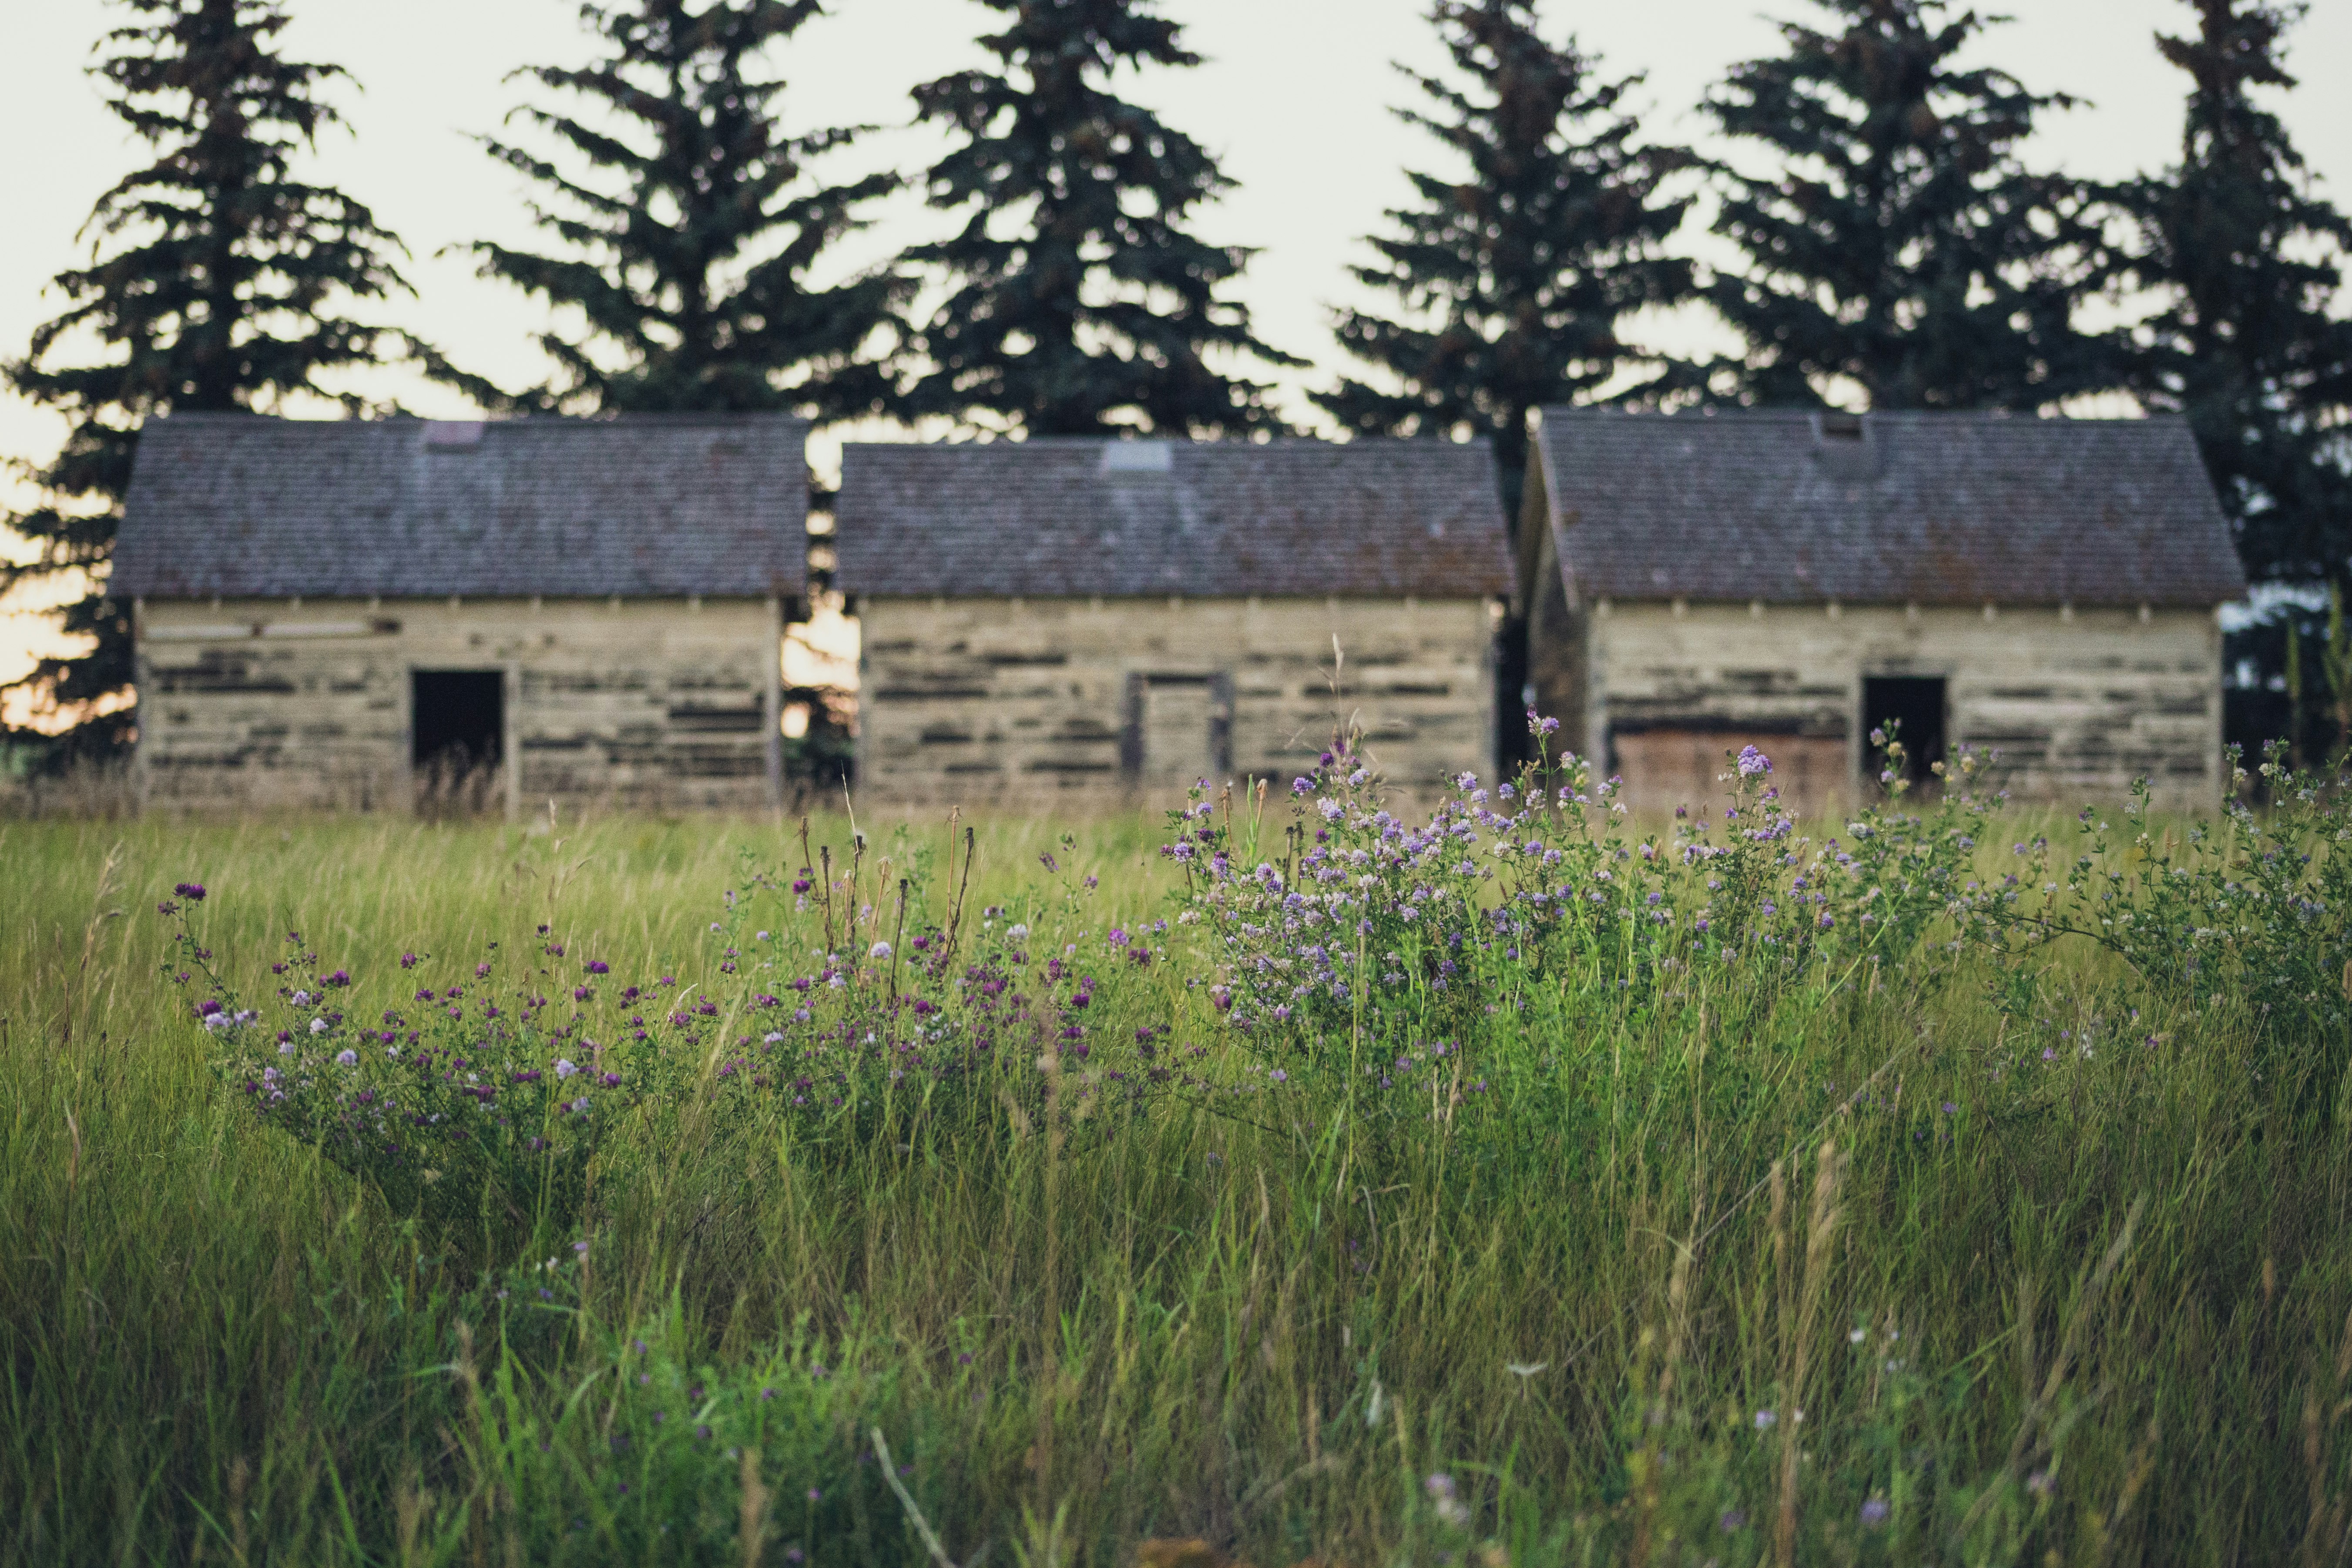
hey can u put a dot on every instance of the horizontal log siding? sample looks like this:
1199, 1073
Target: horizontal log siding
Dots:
649, 703
1000, 701
2077, 706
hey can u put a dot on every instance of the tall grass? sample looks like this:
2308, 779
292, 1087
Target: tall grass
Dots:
1840, 1270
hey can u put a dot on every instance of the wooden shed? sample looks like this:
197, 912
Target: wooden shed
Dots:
2046, 588
376, 613
1117, 618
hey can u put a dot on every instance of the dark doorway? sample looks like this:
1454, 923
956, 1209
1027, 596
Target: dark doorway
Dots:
456, 729
1909, 708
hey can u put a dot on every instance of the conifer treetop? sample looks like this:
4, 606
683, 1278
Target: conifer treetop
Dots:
690, 300
1079, 303
1896, 242
215, 298
2250, 256
1514, 279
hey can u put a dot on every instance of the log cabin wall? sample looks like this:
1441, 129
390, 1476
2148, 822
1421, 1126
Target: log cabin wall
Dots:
1001, 700
661, 703
2078, 702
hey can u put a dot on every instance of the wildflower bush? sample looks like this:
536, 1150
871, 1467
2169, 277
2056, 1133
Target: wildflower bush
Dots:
493, 1090
1366, 934
1517, 1181
479, 1092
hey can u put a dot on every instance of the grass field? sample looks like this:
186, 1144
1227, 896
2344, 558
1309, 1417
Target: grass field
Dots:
1640, 1231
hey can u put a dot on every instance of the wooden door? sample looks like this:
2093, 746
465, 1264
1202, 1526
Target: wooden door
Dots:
1177, 730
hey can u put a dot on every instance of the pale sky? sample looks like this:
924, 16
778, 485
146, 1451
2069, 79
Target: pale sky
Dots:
1294, 96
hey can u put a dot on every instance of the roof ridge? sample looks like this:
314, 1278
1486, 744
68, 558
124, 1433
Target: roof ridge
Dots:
540, 421
1214, 443
1575, 412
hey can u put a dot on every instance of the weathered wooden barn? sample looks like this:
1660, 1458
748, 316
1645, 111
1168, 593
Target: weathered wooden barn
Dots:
2046, 588
1116, 618
365, 612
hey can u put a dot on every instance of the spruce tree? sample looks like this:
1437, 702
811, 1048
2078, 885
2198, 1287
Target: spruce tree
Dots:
1079, 302
1893, 239
1514, 281
2250, 259
691, 263
214, 284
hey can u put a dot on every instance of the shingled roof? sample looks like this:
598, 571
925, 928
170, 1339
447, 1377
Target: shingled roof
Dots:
1959, 508
1068, 517
238, 505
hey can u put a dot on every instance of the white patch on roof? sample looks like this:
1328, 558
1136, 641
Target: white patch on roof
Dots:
1138, 457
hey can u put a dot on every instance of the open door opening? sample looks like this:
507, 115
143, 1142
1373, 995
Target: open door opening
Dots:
456, 737
1909, 708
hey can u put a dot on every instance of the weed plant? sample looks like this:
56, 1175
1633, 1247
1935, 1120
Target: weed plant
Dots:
1519, 1183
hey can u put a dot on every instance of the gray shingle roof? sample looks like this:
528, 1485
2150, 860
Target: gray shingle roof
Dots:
1933, 508
1068, 517
650, 504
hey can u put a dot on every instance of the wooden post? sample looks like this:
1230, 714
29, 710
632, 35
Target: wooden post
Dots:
509, 732
139, 707
405, 760
772, 704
